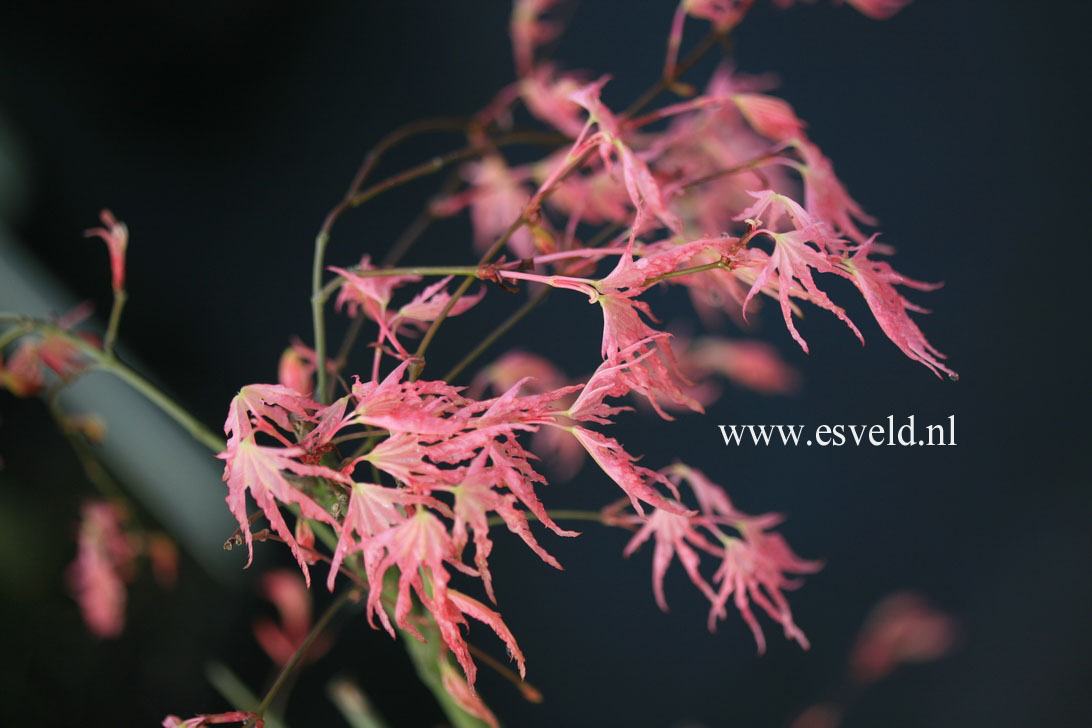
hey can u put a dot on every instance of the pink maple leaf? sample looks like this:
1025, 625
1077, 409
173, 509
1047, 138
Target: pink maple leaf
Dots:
297, 367
419, 407
449, 614
674, 533
103, 564
24, 375
749, 363
754, 569
425, 308
529, 30
369, 295
608, 381
624, 330
875, 9
878, 9
877, 280
290, 596
257, 405
402, 456
753, 565
518, 366
515, 473
419, 547
769, 116
372, 510
428, 304
295, 373
788, 270
475, 496
634, 480
234, 716
546, 94
724, 14
644, 191
903, 628
826, 198
461, 692
260, 470
496, 198
116, 236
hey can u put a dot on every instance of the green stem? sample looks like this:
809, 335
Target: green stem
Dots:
110, 363
680, 68
235, 692
687, 271
318, 299
437, 163
557, 515
357, 436
405, 241
346, 347
354, 705
11, 335
323, 237
301, 651
120, 296
498, 332
497, 246
424, 169
463, 287
419, 225
756, 162
198, 431
604, 234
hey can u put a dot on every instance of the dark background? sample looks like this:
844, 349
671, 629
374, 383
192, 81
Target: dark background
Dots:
223, 131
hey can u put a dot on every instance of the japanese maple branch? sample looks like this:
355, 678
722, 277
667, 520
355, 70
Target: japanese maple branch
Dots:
514, 318
430, 334
752, 164
405, 241
355, 197
681, 67
529, 691
110, 363
371, 159
419, 225
525, 217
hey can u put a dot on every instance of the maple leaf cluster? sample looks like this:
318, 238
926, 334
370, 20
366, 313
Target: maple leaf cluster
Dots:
729, 199
721, 192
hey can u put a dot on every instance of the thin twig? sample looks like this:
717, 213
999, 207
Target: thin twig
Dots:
682, 67
120, 296
499, 244
297, 656
515, 317
112, 364
561, 515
